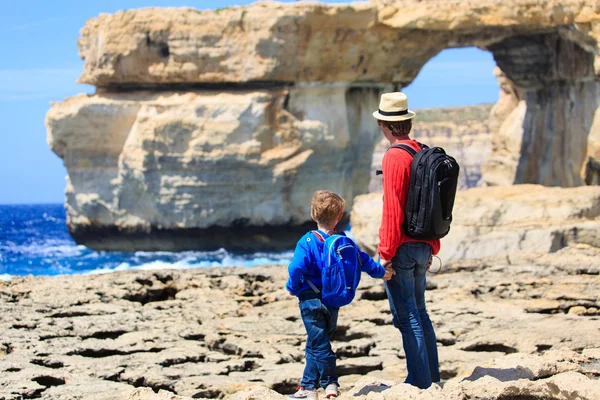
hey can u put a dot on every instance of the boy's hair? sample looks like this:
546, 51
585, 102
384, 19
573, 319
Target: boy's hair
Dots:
399, 128
326, 206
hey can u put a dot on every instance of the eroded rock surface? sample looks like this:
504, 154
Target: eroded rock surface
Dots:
501, 221
209, 333
311, 42
209, 169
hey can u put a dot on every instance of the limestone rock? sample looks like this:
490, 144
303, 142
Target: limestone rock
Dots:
502, 222
211, 333
555, 100
506, 126
211, 129
209, 169
510, 379
257, 393
311, 42
148, 394
527, 148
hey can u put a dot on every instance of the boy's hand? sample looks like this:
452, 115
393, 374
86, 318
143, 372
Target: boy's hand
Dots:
388, 274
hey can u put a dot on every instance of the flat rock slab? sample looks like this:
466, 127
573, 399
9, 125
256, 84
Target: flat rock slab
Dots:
210, 333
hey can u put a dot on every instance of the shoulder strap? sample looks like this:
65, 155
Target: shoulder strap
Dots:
406, 148
319, 236
313, 286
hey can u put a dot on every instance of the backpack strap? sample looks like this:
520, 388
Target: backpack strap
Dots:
313, 286
406, 148
319, 236
321, 239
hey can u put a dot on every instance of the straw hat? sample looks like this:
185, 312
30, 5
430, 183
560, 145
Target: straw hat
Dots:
393, 107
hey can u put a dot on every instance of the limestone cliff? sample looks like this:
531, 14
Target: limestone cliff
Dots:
209, 120
502, 222
385, 41
209, 169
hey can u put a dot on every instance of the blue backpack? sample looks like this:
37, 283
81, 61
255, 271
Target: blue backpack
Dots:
340, 270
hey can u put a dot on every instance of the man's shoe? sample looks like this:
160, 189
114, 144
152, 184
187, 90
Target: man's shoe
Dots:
308, 394
332, 390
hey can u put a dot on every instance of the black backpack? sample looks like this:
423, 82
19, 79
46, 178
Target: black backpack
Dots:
433, 184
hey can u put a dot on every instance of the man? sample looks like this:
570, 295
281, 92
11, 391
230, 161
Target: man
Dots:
407, 257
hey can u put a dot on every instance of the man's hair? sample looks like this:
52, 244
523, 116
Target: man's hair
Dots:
399, 128
326, 206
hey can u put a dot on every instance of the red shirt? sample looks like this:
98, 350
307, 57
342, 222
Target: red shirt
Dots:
396, 180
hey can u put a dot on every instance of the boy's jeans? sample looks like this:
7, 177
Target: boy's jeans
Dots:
406, 295
320, 322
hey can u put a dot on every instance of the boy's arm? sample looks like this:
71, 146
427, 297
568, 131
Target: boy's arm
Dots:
297, 268
370, 266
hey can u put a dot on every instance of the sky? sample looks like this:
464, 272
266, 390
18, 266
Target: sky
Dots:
40, 64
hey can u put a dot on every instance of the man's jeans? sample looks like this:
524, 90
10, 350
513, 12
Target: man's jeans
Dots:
320, 322
406, 294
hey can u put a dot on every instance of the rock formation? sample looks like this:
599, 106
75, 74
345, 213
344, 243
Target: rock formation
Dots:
462, 131
211, 168
210, 333
502, 221
277, 97
556, 375
545, 130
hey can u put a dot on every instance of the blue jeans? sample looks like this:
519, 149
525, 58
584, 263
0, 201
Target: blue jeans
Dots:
320, 322
406, 294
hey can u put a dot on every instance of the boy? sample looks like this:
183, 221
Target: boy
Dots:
320, 320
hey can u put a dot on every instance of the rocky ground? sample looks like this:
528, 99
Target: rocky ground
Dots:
211, 333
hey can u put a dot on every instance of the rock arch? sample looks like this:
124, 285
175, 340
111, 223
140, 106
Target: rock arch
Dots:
276, 99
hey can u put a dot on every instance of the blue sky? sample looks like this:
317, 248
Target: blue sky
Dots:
40, 64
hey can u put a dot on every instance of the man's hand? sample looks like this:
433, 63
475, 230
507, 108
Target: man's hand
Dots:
389, 270
389, 273
429, 264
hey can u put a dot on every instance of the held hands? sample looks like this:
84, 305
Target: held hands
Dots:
389, 270
389, 273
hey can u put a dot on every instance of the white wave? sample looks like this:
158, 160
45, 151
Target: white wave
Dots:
46, 248
194, 260
5, 277
49, 218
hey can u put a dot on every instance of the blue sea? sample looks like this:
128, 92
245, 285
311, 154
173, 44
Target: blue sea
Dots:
34, 240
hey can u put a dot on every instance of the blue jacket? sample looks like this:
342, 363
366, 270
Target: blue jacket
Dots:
307, 260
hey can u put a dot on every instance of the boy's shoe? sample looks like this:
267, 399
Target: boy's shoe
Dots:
332, 390
302, 393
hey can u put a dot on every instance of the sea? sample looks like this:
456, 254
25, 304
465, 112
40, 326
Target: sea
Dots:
34, 241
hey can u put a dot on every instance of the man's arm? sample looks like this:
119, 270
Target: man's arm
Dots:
395, 184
